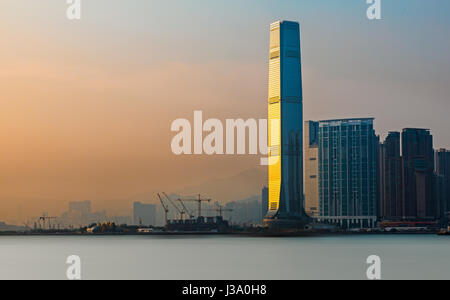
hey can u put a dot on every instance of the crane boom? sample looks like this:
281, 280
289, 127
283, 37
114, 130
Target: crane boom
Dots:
185, 209
221, 209
165, 207
181, 212
199, 200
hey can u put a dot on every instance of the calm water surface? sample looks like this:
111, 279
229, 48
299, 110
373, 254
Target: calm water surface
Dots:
131, 257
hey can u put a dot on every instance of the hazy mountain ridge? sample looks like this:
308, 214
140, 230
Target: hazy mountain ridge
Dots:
243, 185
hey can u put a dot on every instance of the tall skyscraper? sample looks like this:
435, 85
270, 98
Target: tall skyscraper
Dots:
144, 214
348, 161
311, 163
418, 168
286, 121
391, 178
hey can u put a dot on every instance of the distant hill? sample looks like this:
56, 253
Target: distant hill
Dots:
240, 186
247, 211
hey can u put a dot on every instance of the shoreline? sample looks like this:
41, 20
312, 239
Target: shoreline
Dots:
227, 234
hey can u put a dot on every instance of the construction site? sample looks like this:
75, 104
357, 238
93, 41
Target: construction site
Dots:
187, 222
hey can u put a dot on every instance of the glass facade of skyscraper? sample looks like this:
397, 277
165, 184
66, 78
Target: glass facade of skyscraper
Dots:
348, 176
286, 113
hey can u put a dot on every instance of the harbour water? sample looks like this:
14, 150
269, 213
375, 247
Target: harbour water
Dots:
217, 257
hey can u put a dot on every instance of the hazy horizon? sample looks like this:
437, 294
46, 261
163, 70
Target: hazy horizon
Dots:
86, 106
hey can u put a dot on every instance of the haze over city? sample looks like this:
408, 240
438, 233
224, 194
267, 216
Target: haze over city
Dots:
86, 107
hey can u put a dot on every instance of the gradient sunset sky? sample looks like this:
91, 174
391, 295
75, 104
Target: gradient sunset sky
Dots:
86, 106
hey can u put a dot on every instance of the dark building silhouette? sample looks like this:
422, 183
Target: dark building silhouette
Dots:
418, 169
442, 182
390, 205
440, 196
264, 202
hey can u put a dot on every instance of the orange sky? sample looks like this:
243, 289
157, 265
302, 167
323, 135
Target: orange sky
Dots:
75, 130
91, 134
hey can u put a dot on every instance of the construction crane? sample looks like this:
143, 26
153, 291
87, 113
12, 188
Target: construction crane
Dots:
221, 209
191, 216
165, 207
199, 200
180, 211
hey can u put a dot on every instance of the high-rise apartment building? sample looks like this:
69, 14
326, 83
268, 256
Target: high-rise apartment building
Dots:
311, 166
418, 167
348, 161
390, 163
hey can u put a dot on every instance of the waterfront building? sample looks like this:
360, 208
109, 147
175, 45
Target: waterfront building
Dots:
390, 183
440, 196
311, 164
442, 157
348, 160
418, 167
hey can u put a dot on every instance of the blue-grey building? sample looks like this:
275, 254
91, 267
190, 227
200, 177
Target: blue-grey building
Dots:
348, 172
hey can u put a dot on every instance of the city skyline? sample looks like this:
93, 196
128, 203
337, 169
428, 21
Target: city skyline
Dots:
75, 124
